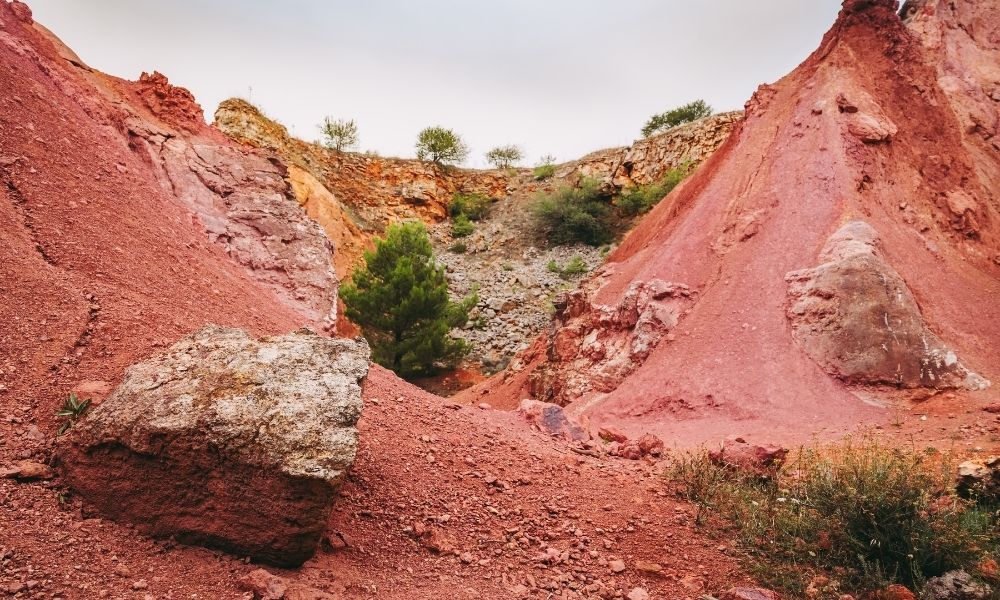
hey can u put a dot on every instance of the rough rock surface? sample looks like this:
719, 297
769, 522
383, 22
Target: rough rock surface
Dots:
226, 441
857, 318
956, 585
648, 159
379, 190
886, 122
980, 478
749, 593
598, 346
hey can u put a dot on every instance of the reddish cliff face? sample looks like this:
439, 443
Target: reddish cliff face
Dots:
127, 223
841, 250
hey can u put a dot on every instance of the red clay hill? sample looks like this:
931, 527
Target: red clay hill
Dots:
838, 255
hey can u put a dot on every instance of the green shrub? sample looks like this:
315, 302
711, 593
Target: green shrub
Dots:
692, 111
458, 248
399, 298
575, 214
544, 172
441, 145
641, 199
575, 267
863, 514
461, 226
545, 168
474, 206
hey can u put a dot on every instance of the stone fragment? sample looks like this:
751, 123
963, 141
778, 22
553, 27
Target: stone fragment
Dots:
551, 419
761, 461
651, 445
749, 593
956, 585
979, 478
225, 441
26, 470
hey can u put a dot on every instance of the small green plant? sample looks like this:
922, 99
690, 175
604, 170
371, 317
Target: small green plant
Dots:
692, 111
502, 157
575, 214
339, 134
474, 206
862, 513
72, 409
641, 199
545, 168
574, 268
458, 248
442, 146
461, 226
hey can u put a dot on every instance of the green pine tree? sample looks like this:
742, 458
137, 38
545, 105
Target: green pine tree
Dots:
399, 298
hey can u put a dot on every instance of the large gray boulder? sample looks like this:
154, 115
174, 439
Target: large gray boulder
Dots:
225, 441
856, 317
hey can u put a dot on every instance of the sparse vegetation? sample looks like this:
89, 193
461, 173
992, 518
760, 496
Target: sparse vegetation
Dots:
862, 514
72, 409
574, 268
576, 214
458, 248
461, 226
692, 111
475, 207
545, 168
639, 200
503, 157
442, 146
399, 298
339, 134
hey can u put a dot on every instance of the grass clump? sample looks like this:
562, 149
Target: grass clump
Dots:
461, 226
458, 248
545, 168
860, 513
574, 268
474, 207
72, 409
640, 200
575, 214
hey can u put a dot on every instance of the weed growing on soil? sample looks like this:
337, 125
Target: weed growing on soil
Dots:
72, 409
862, 514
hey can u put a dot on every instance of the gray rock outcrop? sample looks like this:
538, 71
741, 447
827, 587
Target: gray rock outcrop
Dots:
225, 441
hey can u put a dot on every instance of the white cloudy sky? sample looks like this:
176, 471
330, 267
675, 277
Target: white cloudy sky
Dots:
562, 77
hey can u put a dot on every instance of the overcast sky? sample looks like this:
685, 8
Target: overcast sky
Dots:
562, 77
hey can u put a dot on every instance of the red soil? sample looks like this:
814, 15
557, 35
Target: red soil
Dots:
789, 176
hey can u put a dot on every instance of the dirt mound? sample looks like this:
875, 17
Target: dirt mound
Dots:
890, 123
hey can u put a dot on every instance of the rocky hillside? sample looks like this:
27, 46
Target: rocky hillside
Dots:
839, 253
354, 196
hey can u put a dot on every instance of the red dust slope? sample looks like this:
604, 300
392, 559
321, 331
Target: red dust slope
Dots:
889, 123
104, 256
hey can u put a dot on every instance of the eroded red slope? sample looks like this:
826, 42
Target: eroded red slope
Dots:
885, 123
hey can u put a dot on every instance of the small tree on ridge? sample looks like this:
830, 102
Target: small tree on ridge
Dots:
692, 111
441, 145
502, 157
339, 134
